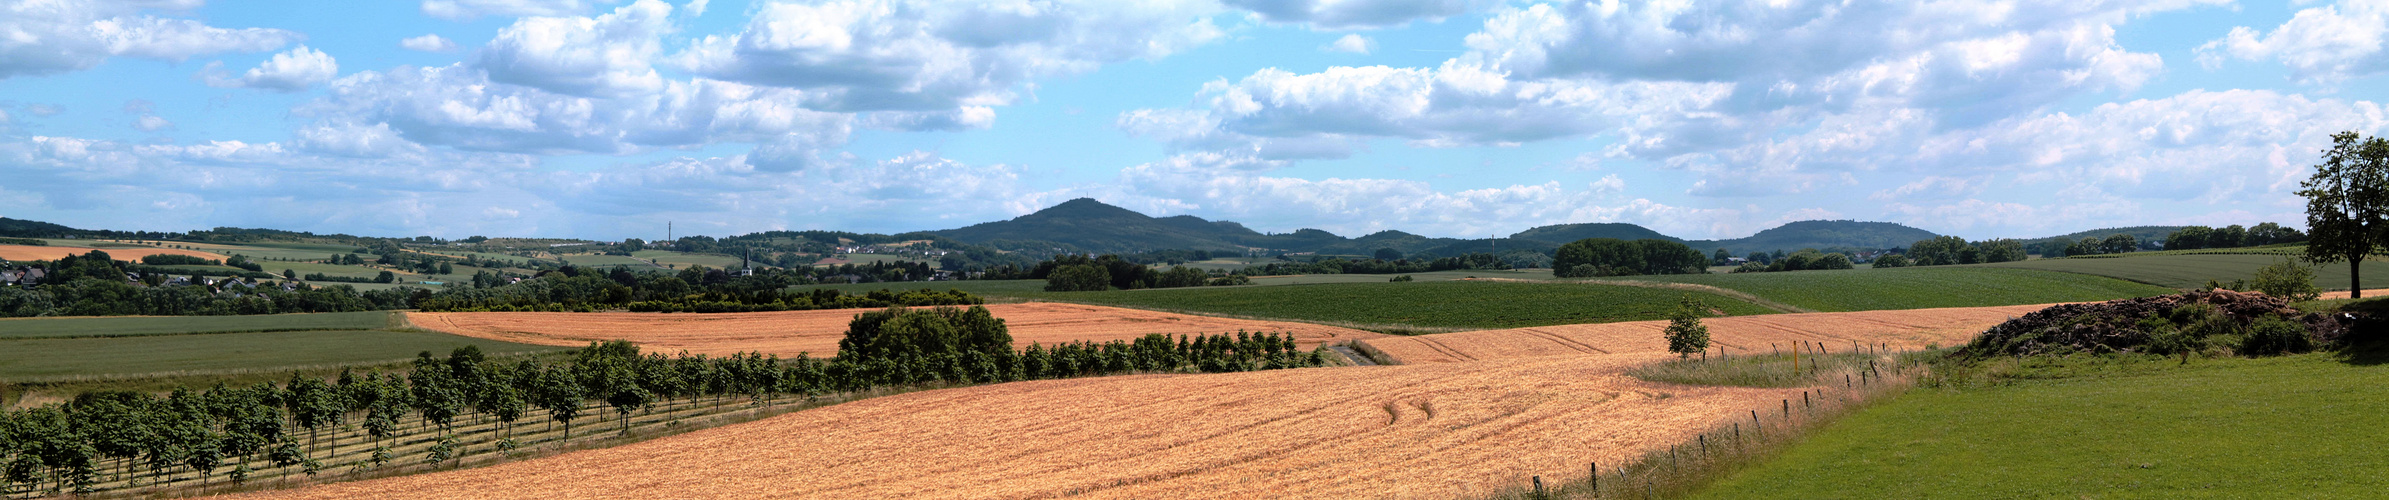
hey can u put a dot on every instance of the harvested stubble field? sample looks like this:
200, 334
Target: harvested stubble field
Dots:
30, 252
1906, 329
1418, 431
817, 332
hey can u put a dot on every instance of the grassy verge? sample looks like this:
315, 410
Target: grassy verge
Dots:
2093, 427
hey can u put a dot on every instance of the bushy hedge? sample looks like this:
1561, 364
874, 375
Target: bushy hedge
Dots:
1593, 257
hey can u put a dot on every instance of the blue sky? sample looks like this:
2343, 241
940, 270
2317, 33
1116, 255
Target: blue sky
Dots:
1464, 118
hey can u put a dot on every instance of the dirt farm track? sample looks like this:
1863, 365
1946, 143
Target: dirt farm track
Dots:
1468, 413
817, 332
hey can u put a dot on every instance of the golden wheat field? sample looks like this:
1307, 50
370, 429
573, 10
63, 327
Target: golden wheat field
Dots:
1903, 329
30, 252
791, 332
1418, 431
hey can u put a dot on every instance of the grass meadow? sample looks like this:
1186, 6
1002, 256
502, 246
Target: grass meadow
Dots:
2305, 426
2193, 270
39, 359
1917, 288
136, 326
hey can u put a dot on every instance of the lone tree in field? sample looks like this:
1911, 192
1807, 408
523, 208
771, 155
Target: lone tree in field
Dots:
2345, 202
1685, 335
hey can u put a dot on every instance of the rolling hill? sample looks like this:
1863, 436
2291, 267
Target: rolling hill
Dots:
1820, 234
1563, 233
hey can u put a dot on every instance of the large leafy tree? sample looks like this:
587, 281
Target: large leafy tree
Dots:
2346, 200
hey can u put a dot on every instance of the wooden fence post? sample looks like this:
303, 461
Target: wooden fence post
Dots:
1538, 486
1595, 466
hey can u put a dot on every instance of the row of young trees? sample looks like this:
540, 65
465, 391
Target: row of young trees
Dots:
64, 447
2232, 236
1614, 257
1950, 250
1079, 273
1804, 260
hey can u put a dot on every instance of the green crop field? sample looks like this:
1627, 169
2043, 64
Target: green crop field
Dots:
1312, 279
608, 261
1450, 304
684, 260
129, 326
55, 358
2193, 270
1917, 288
2302, 426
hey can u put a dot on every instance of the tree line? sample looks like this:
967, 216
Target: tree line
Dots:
1804, 260
2232, 236
1593, 257
65, 447
579, 289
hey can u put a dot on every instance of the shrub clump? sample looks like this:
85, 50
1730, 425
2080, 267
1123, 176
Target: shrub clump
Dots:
2250, 323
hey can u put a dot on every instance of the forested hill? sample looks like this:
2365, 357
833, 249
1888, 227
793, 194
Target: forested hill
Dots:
1564, 233
1820, 234
1087, 225
1092, 226
19, 228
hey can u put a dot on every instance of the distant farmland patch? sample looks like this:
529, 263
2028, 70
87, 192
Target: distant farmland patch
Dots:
133, 253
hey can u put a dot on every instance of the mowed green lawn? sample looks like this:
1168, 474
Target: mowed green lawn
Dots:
1449, 304
130, 326
1918, 287
2303, 426
2190, 271
58, 358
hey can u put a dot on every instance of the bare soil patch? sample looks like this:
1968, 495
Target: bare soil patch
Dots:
1910, 328
30, 252
1416, 431
817, 332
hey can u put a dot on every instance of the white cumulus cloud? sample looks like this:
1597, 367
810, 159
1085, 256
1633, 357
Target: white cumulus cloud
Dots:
2323, 44
605, 55
1347, 14
291, 71
429, 42
1351, 43
56, 36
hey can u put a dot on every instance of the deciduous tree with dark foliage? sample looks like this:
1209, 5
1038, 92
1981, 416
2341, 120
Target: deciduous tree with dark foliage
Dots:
2346, 200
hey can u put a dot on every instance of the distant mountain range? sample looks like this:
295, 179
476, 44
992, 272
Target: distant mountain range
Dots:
1087, 225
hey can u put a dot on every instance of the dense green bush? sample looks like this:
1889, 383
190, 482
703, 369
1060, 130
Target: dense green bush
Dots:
2287, 279
1078, 278
2274, 335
